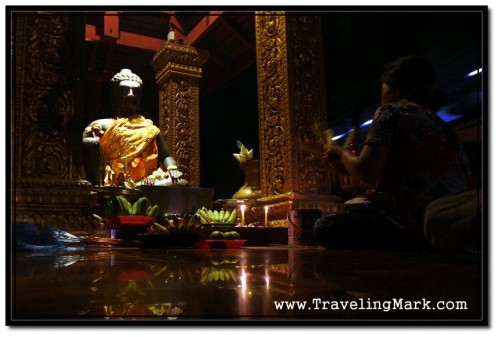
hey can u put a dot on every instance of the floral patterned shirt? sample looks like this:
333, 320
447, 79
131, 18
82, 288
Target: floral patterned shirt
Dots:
426, 159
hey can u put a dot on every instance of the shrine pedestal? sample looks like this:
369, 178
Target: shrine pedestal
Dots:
276, 207
176, 199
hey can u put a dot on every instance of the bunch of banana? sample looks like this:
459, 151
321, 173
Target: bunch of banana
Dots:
244, 154
119, 205
168, 310
188, 225
180, 273
210, 274
215, 216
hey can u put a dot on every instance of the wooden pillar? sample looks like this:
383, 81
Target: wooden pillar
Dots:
291, 98
178, 71
47, 122
291, 93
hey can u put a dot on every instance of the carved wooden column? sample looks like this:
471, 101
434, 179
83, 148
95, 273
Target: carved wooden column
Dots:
46, 119
178, 71
291, 95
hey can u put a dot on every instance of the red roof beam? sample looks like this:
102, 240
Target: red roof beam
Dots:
179, 30
91, 33
127, 39
176, 24
112, 25
201, 28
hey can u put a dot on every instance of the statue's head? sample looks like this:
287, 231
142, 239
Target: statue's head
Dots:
126, 90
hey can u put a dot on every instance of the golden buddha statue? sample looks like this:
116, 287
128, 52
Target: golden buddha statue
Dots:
128, 147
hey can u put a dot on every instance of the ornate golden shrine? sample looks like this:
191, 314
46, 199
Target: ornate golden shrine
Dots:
47, 117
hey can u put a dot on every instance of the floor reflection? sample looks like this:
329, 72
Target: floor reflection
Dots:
129, 284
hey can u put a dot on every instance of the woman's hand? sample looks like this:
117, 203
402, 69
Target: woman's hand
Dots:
332, 155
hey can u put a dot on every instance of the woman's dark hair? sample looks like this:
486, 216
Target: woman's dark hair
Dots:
415, 77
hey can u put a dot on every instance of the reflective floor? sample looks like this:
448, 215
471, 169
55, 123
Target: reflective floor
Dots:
274, 283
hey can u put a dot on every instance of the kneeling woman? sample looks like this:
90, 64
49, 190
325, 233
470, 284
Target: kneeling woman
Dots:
410, 157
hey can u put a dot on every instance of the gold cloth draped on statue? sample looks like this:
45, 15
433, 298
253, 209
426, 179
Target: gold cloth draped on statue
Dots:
131, 142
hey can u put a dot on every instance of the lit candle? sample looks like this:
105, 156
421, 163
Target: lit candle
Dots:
243, 207
266, 215
267, 278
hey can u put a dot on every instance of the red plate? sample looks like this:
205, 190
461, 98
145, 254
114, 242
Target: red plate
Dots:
132, 220
207, 244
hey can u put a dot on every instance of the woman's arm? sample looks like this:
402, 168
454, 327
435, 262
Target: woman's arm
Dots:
368, 166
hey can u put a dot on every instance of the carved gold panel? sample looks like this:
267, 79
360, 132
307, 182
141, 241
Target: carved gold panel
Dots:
307, 100
178, 70
275, 138
46, 122
62, 204
291, 93
44, 119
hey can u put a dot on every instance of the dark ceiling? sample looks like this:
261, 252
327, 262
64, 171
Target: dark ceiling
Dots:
356, 43
229, 39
